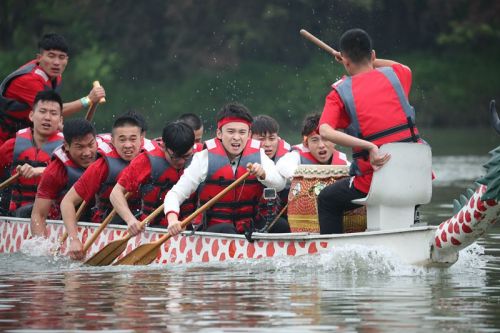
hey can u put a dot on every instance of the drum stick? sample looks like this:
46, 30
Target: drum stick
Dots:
310, 37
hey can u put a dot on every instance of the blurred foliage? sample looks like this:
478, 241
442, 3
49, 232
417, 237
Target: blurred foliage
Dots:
169, 57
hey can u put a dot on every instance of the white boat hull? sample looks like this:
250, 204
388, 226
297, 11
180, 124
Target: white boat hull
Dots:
412, 245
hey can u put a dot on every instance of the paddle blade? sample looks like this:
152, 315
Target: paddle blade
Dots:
108, 253
141, 255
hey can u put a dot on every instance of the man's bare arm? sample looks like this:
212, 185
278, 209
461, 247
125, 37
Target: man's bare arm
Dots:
39, 214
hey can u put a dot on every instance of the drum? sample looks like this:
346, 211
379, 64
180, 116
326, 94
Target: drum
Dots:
307, 183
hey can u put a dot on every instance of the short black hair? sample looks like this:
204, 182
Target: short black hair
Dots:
77, 128
192, 120
356, 44
53, 41
178, 137
310, 124
234, 110
126, 120
264, 124
139, 118
48, 95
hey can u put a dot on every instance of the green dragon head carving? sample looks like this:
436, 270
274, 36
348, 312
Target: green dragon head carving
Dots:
492, 177
491, 180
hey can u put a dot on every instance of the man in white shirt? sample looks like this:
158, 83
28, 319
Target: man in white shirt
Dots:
223, 161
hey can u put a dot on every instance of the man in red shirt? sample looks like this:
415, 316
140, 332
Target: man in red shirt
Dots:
18, 89
67, 165
371, 105
99, 178
153, 173
30, 151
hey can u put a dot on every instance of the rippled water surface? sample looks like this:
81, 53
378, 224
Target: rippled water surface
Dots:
354, 289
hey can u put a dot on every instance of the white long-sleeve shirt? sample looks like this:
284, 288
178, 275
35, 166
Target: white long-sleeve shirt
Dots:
288, 163
196, 173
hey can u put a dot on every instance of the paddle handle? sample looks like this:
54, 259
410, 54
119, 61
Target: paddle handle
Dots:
103, 225
307, 35
9, 181
151, 216
207, 205
79, 213
93, 107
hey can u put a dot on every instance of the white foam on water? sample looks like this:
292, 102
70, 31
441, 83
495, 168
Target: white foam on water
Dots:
471, 258
37, 247
354, 260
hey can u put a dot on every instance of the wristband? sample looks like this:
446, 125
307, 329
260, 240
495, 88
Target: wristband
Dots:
85, 102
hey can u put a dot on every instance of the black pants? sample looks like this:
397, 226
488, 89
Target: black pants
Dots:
279, 227
333, 201
24, 211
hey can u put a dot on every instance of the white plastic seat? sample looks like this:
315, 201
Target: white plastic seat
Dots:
402, 183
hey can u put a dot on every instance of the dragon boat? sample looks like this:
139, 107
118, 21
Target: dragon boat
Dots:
390, 223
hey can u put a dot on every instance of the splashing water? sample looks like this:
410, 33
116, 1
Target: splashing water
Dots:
38, 246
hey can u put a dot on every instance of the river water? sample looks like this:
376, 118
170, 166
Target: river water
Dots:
354, 289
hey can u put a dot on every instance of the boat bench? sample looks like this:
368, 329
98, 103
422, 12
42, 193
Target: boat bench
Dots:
402, 183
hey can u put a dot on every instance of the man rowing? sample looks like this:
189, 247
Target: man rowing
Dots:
18, 89
266, 130
153, 173
100, 177
29, 153
67, 165
225, 159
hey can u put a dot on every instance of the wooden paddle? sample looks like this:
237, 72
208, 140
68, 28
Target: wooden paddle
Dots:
103, 225
63, 238
307, 35
115, 248
9, 181
93, 107
146, 253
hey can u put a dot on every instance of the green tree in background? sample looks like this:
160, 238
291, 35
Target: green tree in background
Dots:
169, 57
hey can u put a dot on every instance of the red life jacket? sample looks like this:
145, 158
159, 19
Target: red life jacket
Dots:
390, 120
115, 167
163, 178
14, 115
283, 148
338, 158
73, 170
240, 206
25, 151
